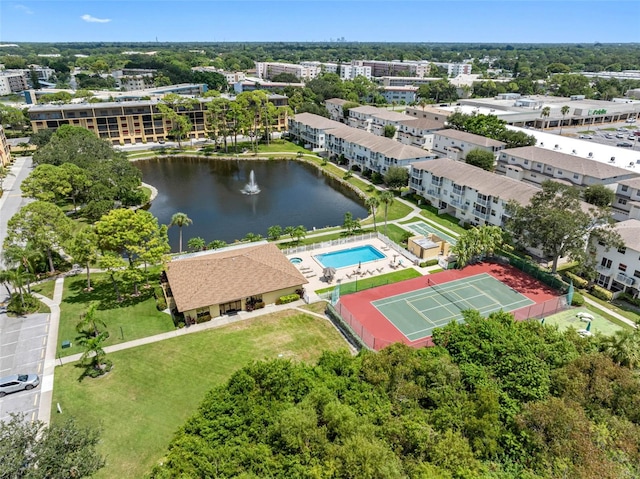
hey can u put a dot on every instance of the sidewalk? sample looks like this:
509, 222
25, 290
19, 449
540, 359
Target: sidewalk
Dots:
610, 312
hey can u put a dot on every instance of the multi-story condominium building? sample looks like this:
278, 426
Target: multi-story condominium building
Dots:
132, 122
359, 148
267, 70
456, 144
323, 67
5, 149
535, 165
311, 129
13, 81
429, 112
400, 95
368, 152
374, 119
42, 73
131, 79
335, 108
418, 132
469, 193
619, 269
626, 206
230, 77
251, 84
406, 81
380, 68
455, 69
349, 72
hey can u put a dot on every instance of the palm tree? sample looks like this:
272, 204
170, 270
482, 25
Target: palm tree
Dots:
386, 198
88, 324
93, 348
180, 220
372, 204
196, 244
623, 347
564, 110
544, 113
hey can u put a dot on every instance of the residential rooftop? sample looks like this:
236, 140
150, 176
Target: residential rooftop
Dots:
379, 144
629, 230
318, 122
471, 138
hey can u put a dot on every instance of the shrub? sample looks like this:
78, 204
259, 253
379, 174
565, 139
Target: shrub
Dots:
431, 262
629, 299
15, 306
202, 319
161, 304
577, 300
577, 280
601, 293
289, 298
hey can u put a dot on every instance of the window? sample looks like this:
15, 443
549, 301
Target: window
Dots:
624, 188
575, 176
622, 267
622, 250
560, 172
526, 162
636, 273
622, 201
549, 168
601, 243
606, 263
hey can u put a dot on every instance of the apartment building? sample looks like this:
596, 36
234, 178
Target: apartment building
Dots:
360, 149
323, 67
626, 206
619, 269
455, 69
535, 165
406, 81
469, 193
311, 129
267, 70
400, 95
13, 81
456, 144
418, 132
429, 112
131, 79
253, 84
335, 108
371, 153
5, 149
349, 72
374, 119
132, 122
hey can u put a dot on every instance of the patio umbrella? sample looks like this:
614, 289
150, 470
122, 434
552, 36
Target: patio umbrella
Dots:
329, 272
589, 326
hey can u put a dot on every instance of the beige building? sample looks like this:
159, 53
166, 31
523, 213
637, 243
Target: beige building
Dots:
238, 278
5, 149
131, 122
431, 247
456, 144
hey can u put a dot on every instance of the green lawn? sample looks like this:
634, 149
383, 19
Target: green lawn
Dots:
627, 313
154, 388
132, 319
446, 220
568, 319
394, 233
45, 288
371, 282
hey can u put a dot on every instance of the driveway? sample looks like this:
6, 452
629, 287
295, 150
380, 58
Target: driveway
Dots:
22, 350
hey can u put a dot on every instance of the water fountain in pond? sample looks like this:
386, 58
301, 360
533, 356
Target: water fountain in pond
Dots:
251, 188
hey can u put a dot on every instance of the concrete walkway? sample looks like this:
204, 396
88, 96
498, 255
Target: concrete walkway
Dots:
610, 312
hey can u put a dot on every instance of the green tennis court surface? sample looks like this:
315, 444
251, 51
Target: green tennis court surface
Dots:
417, 313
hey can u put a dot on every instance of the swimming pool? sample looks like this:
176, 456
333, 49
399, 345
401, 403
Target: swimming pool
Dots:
349, 257
296, 260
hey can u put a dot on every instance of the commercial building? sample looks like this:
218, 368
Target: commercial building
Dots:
618, 269
535, 165
210, 284
469, 193
456, 144
132, 122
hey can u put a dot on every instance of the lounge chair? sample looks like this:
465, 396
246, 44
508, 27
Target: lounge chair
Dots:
348, 275
310, 275
379, 270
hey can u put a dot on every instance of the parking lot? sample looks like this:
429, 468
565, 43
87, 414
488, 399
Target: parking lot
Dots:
22, 348
612, 134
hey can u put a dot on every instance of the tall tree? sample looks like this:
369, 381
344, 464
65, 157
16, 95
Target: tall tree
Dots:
386, 198
481, 158
174, 108
544, 114
396, 177
180, 220
564, 110
84, 250
558, 223
41, 224
372, 204
599, 195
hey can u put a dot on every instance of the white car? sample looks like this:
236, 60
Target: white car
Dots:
631, 120
586, 137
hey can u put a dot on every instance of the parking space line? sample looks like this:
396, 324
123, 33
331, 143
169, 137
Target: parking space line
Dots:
33, 416
44, 340
42, 354
39, 368
35, 400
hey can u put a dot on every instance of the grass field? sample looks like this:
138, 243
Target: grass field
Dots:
131, 319
154, 388
45, 288
568, 319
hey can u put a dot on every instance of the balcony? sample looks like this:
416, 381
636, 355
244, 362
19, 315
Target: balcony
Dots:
457, 203
624, 279
604, 270
482, 202
435, 182
480, 214
434, 192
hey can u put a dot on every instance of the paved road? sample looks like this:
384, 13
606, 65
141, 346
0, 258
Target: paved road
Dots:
22, 350
22, 340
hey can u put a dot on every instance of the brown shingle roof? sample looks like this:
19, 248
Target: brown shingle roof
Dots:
572, 163
317, 121
337, 101
378, 144
629, 231
632, 182
470, 138
238, 272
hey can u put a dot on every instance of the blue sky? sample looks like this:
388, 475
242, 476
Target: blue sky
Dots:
508, 21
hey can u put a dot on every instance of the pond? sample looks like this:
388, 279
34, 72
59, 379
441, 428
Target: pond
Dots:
210, 192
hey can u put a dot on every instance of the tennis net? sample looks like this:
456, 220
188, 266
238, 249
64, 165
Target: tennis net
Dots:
455, 301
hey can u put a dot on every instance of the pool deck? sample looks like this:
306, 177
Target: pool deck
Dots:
312, 269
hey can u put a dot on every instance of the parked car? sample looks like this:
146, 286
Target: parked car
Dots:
631, 120
625, 144
586, 137
18, 382
620, 135
608, 135
631, 137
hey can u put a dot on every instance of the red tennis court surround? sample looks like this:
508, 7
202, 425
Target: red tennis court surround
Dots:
378, 332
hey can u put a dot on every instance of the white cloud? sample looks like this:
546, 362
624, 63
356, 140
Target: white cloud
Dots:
23, 9
90, 19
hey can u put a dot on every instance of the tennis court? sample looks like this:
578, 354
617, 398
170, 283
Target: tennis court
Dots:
424, 229
417, 313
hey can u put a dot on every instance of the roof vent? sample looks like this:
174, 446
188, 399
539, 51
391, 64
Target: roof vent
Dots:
590, 154
557, 147
573, 151
632, 164
541, 144
612, 160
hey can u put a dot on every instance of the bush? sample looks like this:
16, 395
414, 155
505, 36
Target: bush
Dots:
577, 280
202, 319
577, 300
289, 298
601, 293
431, 262
629, 299
15, 306
161, 304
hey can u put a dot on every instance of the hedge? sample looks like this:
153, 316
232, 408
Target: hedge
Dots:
578, 282
431, 262
289, 298
577, 300
601, 293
